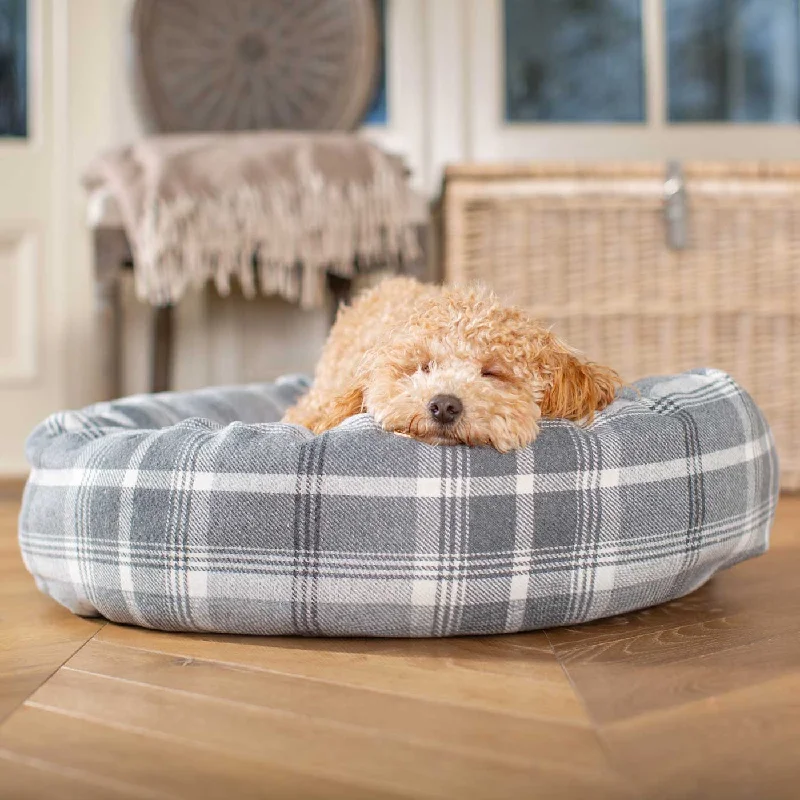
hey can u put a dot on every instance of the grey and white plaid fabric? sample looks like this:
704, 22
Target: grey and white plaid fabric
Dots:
197, 512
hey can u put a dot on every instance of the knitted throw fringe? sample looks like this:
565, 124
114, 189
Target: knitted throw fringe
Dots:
277, 232
280, 239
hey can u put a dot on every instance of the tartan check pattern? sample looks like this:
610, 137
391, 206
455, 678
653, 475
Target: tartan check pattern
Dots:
198, 512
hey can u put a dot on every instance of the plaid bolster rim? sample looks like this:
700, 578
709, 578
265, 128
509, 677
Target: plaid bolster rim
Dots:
199, 511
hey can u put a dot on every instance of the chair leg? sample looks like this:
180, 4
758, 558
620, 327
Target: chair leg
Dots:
162, 349
340, 292
110, 251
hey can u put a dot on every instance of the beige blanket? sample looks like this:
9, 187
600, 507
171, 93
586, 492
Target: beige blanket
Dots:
275, 210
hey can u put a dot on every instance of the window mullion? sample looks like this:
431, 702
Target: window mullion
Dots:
655, 62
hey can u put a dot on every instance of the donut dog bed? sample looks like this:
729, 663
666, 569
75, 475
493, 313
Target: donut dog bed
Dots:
199, 512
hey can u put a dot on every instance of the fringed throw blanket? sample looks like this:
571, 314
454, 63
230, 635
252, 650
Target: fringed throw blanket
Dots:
275, 210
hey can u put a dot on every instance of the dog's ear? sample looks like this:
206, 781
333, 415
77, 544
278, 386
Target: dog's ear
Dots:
338, 408
319, 411
575, 388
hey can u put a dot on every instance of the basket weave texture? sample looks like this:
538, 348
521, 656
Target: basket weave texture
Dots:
584, 247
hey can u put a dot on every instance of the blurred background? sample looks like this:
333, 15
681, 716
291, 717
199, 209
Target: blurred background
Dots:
190, 188
476, 97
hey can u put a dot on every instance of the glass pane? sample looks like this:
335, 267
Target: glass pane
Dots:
378, 113
733, 60
573, 61
13, 68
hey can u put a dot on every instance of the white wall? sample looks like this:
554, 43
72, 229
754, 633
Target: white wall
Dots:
32, 273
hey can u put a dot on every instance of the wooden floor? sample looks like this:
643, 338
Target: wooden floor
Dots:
696, 699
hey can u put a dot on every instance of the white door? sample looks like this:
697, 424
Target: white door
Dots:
30, 377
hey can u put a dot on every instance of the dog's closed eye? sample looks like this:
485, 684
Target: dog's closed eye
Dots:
493, 372
426, 366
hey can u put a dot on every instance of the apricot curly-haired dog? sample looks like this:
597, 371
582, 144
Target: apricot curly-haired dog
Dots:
448, 366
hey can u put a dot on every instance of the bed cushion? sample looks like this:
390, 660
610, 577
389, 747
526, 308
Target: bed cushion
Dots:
199, 512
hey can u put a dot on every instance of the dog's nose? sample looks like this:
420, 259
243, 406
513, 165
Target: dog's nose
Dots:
445, 408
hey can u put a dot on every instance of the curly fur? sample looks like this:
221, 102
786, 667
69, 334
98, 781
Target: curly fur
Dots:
403, 342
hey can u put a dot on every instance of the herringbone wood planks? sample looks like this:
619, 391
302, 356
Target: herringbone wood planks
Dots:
694, 699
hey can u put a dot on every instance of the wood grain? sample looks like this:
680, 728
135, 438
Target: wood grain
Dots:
739, 744
32, 779
306, 744
511, 674
517, 741
11, 488
36, 635
156, 764
693, 699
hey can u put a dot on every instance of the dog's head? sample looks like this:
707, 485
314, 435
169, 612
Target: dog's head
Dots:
467, 369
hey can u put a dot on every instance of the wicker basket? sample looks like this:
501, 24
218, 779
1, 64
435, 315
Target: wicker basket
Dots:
647, 272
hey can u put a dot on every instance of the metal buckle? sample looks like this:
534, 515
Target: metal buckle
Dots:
676, 212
